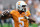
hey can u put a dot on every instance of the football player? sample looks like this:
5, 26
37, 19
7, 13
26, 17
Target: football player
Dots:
20, 15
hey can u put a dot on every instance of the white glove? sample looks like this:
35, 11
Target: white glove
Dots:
26, 17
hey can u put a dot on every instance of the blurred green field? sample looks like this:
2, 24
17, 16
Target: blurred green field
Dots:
6, 25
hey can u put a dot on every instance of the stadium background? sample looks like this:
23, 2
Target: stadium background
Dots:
11, 5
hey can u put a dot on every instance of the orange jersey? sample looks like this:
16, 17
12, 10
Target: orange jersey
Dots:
18, 18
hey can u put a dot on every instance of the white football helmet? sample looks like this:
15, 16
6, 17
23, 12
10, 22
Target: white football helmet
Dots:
21, 5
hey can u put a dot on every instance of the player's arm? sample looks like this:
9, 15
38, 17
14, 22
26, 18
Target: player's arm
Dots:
27, 15
6, 15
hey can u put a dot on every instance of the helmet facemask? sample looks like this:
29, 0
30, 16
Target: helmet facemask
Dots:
23, 8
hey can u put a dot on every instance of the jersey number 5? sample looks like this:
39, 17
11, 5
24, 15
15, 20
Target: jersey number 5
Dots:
21, 21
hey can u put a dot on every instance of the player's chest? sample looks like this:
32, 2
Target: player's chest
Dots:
18, 15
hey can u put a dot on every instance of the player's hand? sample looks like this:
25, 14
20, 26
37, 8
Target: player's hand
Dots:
26, 17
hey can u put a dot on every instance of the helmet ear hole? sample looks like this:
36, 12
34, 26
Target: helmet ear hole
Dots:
18, 7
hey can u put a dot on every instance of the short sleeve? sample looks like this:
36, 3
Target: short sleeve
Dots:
28, 13
11, 12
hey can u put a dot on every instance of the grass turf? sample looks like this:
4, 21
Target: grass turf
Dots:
9, 25
6, 25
